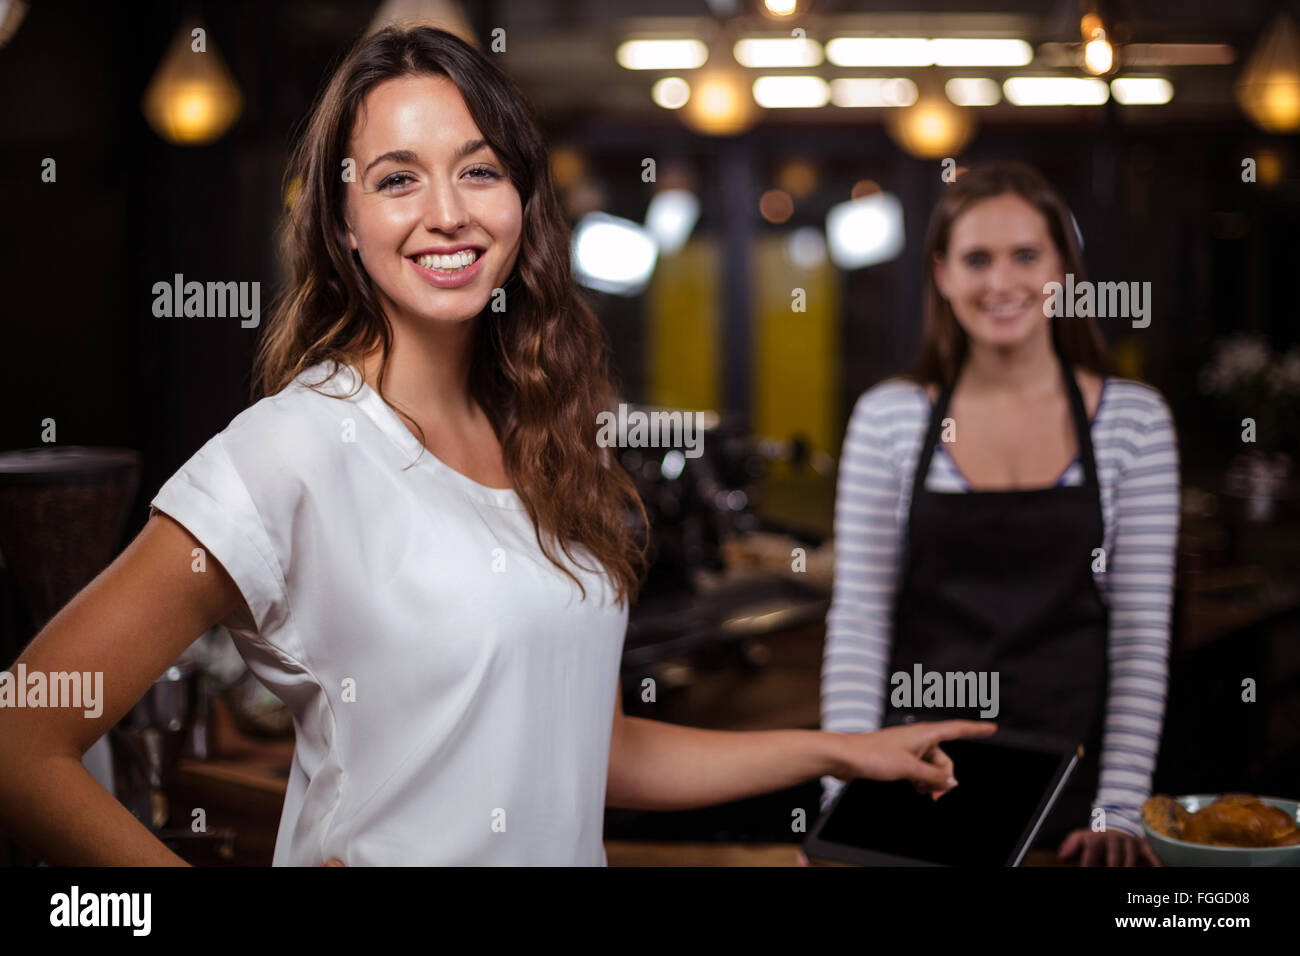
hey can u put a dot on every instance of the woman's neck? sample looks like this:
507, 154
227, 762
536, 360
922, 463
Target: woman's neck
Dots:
1029, 368
428, 371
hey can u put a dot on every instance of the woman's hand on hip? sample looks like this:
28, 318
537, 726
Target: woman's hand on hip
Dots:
908, 752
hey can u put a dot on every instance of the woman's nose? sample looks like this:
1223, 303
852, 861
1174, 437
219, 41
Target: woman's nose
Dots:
445, 210
1001, 276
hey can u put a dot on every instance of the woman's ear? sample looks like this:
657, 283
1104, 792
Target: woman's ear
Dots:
939, 266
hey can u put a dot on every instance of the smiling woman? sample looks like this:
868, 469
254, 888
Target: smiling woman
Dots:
456, 241
1011, 509
447, 636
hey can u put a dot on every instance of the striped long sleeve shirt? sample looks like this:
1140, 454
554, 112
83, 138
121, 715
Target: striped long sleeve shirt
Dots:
1137, 467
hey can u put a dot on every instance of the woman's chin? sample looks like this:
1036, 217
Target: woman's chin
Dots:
444, 318
460, 308
1006, 334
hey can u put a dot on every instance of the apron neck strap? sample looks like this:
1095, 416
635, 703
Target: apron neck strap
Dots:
931, 440
1079, 413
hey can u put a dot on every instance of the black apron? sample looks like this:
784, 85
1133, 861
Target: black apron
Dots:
1002, 581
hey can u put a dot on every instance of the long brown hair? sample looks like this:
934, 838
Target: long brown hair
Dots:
540, 369
944, 342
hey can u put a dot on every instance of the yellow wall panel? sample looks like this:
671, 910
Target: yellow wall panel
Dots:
684, 366
796, 375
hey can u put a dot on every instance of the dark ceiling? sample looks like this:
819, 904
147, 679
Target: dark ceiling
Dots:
562, 51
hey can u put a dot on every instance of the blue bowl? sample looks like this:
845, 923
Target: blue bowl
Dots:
1181, 853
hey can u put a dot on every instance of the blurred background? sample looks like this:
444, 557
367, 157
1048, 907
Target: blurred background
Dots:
714, 157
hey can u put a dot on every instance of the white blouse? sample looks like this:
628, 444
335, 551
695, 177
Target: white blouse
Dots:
452, 694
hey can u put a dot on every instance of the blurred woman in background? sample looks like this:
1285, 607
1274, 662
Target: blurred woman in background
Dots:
1011, 506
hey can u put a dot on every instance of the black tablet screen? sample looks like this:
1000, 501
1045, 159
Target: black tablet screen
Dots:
977, 823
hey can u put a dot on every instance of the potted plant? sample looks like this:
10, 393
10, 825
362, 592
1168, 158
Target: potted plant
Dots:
1261, 389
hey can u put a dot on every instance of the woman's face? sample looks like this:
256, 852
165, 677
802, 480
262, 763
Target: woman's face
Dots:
432, 210
1000, 256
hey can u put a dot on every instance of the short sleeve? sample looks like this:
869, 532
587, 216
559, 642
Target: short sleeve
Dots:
209, 498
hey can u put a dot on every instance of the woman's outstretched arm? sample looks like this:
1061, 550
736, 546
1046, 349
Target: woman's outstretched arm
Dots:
654, 765
128, 624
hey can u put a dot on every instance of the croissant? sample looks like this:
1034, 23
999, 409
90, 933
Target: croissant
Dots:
1165, 815
1234, 819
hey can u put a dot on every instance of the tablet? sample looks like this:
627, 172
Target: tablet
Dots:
1007, 785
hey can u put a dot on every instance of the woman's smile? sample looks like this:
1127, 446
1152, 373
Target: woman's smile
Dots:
449, 270
1006, 312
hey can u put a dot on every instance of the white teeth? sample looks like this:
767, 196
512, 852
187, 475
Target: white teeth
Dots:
452, 263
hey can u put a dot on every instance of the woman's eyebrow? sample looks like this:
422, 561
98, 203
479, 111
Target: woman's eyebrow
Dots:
408, 156
1017, 247
396, 155
470, 146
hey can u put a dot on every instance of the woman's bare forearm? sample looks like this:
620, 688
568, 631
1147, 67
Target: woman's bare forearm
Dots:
660, 766
60, 813
125, 627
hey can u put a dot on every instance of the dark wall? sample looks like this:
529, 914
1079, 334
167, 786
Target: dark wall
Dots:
129, 209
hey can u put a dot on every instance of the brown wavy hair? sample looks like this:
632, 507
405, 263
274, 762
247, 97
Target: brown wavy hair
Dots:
540, 369
944, 342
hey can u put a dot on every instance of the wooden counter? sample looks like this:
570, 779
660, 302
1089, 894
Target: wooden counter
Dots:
244, 788
639, 853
